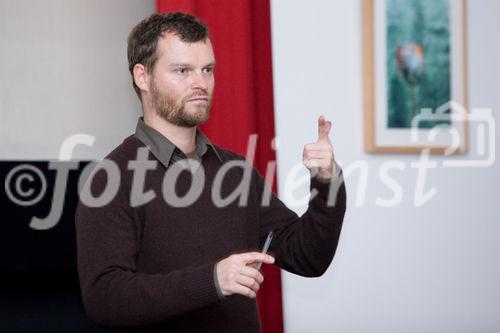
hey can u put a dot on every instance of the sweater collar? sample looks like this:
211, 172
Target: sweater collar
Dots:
165, 150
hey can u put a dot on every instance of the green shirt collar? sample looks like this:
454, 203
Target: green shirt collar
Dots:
165, 150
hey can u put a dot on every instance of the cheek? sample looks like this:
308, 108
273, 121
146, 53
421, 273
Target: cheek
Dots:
211, 84
168, 81
172, 86
173, 83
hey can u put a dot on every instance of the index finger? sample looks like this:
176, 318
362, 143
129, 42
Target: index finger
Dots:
323, 128
257, 256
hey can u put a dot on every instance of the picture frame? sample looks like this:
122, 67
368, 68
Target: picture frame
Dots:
415, 76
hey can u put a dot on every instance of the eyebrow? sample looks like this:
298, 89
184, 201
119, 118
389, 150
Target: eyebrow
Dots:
211, 64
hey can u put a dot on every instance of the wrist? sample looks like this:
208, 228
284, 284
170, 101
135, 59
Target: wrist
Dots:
217, 284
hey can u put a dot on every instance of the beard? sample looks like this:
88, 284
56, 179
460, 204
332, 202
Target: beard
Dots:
174, 111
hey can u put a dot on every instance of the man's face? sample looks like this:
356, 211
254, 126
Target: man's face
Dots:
182, 82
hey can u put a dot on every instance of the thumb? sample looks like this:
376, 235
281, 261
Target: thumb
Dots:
324, 127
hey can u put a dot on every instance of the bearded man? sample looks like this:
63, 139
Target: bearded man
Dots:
166, 252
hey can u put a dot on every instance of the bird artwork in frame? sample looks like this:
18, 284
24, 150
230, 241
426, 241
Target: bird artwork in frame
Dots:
415, 76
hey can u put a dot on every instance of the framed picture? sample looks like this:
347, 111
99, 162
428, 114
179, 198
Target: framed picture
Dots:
415, 84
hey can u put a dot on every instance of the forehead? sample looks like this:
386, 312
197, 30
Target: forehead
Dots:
171, 49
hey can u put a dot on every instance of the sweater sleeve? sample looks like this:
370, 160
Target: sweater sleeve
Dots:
114, 293
305, 245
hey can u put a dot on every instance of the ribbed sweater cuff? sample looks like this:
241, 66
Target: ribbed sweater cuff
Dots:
202, 289
328, 187
216, 283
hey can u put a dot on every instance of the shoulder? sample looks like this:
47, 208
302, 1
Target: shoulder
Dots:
115, 164
228, 155
126, 151
108, 181
240, 162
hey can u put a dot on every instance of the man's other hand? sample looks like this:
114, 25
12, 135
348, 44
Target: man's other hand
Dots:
237, 274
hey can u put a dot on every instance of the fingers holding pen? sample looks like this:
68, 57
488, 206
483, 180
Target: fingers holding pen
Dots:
237, 276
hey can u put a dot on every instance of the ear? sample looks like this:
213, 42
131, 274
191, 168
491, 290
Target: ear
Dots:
141, 77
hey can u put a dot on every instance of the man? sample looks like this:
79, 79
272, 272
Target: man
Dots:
185, 261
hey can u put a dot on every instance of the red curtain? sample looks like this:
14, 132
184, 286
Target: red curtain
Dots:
243, 102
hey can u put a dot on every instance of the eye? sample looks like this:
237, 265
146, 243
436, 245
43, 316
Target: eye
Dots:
181, 70
208, 70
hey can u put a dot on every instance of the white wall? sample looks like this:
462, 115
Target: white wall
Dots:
403, 269
63, 70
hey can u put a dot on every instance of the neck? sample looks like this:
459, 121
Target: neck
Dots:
182, 137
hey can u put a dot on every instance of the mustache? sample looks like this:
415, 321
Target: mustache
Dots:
201, 93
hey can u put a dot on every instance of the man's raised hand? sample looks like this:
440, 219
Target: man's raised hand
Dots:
318, 157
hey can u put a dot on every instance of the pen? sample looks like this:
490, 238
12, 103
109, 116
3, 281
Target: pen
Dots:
266, 246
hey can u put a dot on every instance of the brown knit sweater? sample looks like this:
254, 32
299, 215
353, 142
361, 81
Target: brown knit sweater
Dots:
150, 268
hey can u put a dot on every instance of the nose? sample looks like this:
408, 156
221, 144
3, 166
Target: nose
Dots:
199, 81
